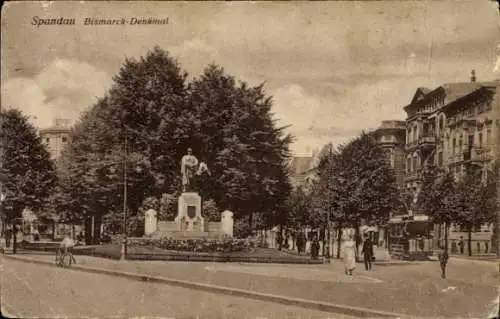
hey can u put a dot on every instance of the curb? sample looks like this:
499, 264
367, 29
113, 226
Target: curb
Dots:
304, 303
483, 261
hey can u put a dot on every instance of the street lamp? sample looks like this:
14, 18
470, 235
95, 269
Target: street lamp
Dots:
123, 251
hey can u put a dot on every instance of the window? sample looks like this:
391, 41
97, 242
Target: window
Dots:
488, 137
480, 137
47, 140
408, 165
454, 146
64, 139
440, 159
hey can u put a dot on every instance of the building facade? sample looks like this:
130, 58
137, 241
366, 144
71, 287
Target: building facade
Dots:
55, 137
452, 127
455, 127
391, 137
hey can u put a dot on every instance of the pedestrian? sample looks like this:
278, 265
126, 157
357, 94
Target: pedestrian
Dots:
301, 242
443, 261
349, 254
36, 235
367, 252
461, 244
8, 237
315, 247
279, 240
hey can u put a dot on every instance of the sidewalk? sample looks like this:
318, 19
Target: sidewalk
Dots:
414, 290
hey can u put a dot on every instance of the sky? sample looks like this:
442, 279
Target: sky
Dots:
332, 68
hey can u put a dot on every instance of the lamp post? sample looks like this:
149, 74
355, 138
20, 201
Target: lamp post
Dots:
123, 251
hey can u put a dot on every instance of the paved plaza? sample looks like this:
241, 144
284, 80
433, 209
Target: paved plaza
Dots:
411, 289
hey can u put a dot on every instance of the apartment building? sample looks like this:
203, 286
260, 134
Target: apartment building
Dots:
55, 137
452, 126
390, 135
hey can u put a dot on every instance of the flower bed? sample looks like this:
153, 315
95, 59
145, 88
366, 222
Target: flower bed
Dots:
195, 245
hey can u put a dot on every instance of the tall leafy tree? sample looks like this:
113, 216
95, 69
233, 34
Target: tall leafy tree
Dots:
356, 184
234, 132
439, 197
30, 175
476, 194
147, 121
132, 130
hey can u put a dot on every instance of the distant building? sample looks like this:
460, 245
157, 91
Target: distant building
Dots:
56, 136
391, 137
299, 168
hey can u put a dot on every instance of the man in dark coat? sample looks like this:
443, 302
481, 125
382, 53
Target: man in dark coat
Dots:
443, 260
367, 252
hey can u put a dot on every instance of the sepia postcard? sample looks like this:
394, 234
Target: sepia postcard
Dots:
250, 159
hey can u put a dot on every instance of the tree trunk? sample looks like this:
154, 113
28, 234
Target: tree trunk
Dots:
97, 230
446, 237
469, 239
356, 239
339, 239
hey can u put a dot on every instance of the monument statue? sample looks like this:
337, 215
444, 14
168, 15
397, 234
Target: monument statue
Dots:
189, 168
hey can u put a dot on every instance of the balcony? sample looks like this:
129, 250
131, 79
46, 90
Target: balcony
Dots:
426, 141
480, 154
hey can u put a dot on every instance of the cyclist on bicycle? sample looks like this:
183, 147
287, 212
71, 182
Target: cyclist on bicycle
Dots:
66, 246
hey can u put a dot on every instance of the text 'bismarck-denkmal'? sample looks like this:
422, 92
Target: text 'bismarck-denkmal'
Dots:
123, 21
46, 21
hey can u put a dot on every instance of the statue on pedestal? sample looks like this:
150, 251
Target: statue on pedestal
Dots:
190, 167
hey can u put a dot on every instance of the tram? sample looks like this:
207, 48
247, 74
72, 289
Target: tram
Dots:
411, 237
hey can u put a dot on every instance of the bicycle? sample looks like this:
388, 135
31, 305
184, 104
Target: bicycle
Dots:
65, 259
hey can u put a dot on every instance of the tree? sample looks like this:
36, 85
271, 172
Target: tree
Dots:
299, 208
136, 128
29, 173
150, 117
233, 131
356, 184
477, 198
168, 207
438, 197
210, 211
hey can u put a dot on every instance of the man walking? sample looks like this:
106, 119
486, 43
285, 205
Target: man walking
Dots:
367, 252
443, 260
461, 245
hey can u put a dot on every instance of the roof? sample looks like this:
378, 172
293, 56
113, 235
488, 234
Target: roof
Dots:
452, 91
425, 90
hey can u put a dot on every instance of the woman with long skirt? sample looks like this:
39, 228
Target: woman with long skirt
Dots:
349, 255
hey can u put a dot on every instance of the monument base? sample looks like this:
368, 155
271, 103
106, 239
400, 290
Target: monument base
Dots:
189, 217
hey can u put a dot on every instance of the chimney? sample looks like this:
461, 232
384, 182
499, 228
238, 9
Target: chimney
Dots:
473, 76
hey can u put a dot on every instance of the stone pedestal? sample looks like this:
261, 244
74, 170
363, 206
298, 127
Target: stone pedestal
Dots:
227, 223
150, 221
189, 213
